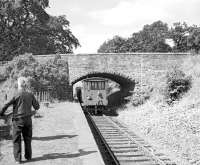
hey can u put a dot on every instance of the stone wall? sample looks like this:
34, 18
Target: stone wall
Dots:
144, 68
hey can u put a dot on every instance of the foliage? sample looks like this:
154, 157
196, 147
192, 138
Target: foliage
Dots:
50, 38
177, 84
193, 40
179, 33
116, 45
53, 75
140, 96
26, 27
152, 38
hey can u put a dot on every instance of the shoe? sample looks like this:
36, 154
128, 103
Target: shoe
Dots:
18, 162
28, 160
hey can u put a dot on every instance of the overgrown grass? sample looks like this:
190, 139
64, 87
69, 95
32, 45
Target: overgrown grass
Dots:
173, 129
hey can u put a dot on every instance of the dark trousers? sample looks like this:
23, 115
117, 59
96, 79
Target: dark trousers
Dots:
22, 126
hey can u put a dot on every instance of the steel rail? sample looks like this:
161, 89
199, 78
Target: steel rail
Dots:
103, 140
145, 150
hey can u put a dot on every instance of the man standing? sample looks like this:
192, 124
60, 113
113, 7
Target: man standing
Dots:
22, 123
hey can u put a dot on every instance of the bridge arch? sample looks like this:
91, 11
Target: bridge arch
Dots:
123, 81
126, 85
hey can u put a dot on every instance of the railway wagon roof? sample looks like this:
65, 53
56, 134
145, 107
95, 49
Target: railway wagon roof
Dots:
95, 79
125, 82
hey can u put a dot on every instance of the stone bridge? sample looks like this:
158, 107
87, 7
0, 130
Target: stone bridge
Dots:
146, 69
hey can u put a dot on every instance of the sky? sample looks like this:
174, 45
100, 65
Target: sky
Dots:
96, 21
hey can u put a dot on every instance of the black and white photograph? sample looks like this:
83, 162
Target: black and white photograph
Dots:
100, 82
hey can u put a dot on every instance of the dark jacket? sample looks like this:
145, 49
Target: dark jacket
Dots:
22, 103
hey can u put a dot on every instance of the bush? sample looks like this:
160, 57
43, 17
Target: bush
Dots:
141, 95
177, 85
52, 75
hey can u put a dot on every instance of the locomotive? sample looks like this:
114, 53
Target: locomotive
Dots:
93, 94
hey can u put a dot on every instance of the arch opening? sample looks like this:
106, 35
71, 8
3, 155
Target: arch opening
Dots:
116, 97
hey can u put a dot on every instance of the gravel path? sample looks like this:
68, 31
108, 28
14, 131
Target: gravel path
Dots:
60, 136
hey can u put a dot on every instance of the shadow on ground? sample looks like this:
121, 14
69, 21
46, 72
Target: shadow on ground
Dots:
61, 155
110, 111
47, 138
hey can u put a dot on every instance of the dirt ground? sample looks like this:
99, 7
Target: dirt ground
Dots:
60, 136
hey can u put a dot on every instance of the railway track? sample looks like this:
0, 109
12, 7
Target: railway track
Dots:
125, 147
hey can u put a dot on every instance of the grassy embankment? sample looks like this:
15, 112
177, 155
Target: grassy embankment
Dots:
173, 129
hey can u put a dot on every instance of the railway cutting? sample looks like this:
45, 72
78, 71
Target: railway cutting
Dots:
124, 146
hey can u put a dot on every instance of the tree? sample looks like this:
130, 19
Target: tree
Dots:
53, 37
193, 40
179, 33
134, 43
115, 45
54, 73
26, 27
15, 18
150, 39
